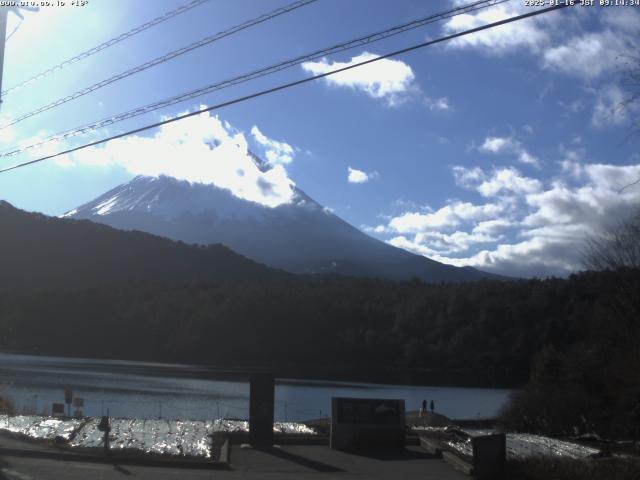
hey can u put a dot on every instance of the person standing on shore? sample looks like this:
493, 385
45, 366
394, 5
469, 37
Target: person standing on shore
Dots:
423, 409
433, 406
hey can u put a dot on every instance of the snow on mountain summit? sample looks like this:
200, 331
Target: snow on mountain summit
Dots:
170, 198
300, 236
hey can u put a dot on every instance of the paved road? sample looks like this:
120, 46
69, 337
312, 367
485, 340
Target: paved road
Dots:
288, 462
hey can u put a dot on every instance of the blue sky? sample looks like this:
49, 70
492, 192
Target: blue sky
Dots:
501, 150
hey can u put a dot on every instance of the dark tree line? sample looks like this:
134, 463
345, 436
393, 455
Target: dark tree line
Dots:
592, 383
483, 333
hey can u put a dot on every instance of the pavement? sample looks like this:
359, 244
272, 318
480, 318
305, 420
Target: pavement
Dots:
285, 462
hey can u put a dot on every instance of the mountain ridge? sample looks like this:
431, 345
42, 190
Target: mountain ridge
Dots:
41, 251
299, 237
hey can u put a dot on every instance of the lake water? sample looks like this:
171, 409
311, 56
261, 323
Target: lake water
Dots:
153, 390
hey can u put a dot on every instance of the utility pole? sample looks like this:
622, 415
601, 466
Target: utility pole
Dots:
4, 13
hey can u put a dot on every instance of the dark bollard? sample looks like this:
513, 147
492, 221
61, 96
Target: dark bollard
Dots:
261, 401
489, 457
105, 427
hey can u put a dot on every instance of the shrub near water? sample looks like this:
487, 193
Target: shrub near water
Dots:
583, 390
6, 406
588, 385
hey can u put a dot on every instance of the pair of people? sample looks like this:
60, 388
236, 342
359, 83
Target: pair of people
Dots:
423, 410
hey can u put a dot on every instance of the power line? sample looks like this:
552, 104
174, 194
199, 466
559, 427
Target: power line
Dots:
164, 58
364, 40
292, 84
108, 43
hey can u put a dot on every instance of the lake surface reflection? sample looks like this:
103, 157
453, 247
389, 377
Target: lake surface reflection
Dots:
154, 390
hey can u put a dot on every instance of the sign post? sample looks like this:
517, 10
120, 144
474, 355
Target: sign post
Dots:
361, 423
68, 398
57, 409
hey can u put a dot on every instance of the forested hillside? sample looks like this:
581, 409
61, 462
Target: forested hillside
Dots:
483, 333
37, 251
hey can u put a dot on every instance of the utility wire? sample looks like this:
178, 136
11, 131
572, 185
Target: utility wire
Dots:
364, 40
164, 58
292, 84
108, 43
15, 29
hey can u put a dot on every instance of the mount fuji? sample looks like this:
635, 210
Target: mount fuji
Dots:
300, 236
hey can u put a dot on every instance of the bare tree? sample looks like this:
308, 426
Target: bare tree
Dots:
617, 248
631, 84
631, 102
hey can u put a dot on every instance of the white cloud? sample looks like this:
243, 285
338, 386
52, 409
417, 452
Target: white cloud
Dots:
468, 177
609, 109
275, 151
492, 227
438, 104
420, 249
508, 180
509, 145
455, 242
625, 19
587, 56
436, 243
376, 229
501, 181
498, 40
450, 215
557, 39
359, 176
539, 233
199, 149
494, 144
532, 257
388, 80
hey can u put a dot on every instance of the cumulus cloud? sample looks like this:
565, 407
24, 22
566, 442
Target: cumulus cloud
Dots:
625, 19
537, 256
498, 40
501, 181
587, 56
455, 242
275, 151
200, 149
509, 145
389, 80
468, 177
558, 39
609, 109
438, 104
376, 229
358, 176
436, 244
492, 227
508, 180
450, 215
535, 228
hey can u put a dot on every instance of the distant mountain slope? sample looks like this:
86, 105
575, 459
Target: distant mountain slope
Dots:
41, 251
300, 237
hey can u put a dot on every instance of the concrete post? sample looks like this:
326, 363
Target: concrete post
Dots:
261, 403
